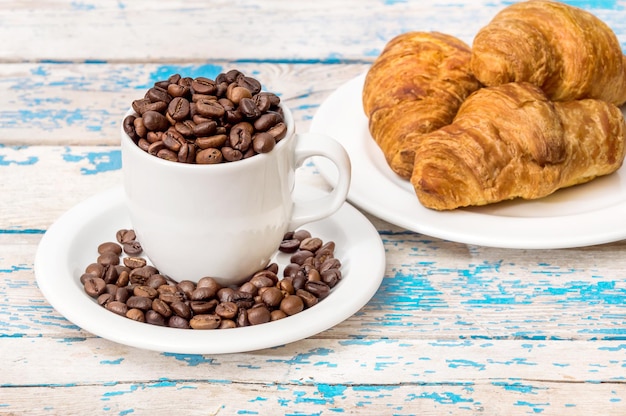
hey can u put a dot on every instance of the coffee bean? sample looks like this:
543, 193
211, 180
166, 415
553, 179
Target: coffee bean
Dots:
291, 305
161, 307
227, 310
138, 291
263, 142
178, 108
110, 247
136, 315
176, 321
154, 121
205, 321
258, 315
154, 318
117, 307
209, 156
132, 248
94, 286
204, 113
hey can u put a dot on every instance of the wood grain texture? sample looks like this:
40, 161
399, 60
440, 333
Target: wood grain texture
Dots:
453, 329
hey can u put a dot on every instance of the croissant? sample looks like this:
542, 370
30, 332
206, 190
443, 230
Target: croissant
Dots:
511, 141
567, 51
415, 86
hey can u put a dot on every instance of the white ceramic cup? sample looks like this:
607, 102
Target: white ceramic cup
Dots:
225, 220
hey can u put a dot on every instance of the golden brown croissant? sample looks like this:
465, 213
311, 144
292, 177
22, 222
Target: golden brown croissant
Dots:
567, 51
510, 141
415, 86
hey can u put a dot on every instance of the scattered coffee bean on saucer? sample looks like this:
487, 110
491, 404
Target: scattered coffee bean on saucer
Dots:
123, 282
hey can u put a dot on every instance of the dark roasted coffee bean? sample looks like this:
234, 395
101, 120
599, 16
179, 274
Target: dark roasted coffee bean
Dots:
292, 305
231, 155
181, 309
132, 248
140, 128
136, 315
129, 127
242, 318
156, 147
263, 142
248, 108
251, 84
205, 129
258, 315
176, 90
289, 246
155, 281
240, 137
155, 94
227, 323
176, 321
202, 293
143, 144
307, 297
104, 298
209, 156
178, 108
95, 269
110, 275
140, 105
311, 244
119, 308
216, 141
331, 277
173, 140
300, 256
205, 321
267, 121
318, 288
167, 154
154, 121
201, 306
186, 286
272, 297
139, 302
227, 310
123, 278
202, 85
155, 318
135, 262
122, 294
279, 131
145, 291
210, 109
108, 258
301, 234
161, 307
185, 128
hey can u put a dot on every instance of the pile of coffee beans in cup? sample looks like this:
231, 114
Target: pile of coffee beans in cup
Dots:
122, 281
205, 121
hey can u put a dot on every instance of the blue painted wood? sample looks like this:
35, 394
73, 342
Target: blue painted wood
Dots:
453, 329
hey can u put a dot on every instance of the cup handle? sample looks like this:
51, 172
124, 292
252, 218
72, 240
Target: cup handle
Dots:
313, 144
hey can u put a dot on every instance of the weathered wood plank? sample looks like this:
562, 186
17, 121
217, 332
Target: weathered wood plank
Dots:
220, 397
67, 104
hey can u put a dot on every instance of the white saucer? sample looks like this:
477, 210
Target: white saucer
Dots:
70, 244
592, 213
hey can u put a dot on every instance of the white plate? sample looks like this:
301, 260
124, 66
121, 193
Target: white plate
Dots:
70, 244
592, 213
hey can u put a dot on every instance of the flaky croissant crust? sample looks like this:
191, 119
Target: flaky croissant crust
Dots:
568, 52
511, 141
415, 86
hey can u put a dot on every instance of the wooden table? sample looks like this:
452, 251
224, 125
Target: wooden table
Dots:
454, 328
